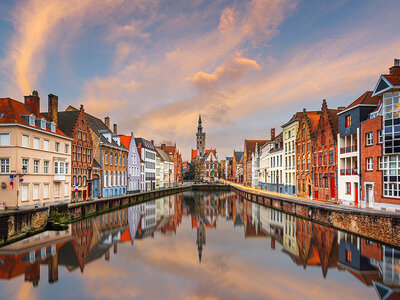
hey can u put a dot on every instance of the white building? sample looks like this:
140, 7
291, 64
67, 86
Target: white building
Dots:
148, 154
289, 156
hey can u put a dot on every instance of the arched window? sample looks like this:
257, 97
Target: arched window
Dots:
106, 158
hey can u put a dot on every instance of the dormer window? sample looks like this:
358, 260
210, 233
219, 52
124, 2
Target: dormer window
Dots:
42, 124
53, 126
31, 119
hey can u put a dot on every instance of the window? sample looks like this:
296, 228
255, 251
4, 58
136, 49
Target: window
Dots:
319, 158
25, 140
348, 121
369, 164
325, 157
66, 168
4, 165
57, 147
36, 142
348, 188
66, 148
24, 192
323, 138
35, 191
46, 191
321, 183
369, 138
381, 162
46, 167
116, 159
32, 120
111, 159
36, 166
56, 167
25, 165
315, 158
106, 158
380, 136
46, 145
331, 157
4, 139
57, 189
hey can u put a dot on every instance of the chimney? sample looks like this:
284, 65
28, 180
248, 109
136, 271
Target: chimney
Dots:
272, 133
341, 107
395, 70
33, 103
53, 108
163, 147
152, 142
107, 121
115, 128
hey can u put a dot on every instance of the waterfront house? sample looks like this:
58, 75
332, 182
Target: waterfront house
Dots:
380, 142
148, 153
35, 156
289, 133
324, 167
274, 176
109, 157
159, 171
133, 163
349, 171
168, 168
249, 148
237, 166
304, 142
74, 124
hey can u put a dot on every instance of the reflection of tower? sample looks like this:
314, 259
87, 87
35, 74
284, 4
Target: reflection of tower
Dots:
201, 237
53, 268
201, 139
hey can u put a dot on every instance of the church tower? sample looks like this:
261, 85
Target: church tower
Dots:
201, 140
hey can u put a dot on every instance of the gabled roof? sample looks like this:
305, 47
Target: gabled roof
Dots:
194, 153
98, 128
13, 110
238, 155
250, 145
365, 99
163, 155
388, 81
296, 117
145, 143
125, 140
65, 120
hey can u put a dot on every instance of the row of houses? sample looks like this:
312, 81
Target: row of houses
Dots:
63, 156
348, 155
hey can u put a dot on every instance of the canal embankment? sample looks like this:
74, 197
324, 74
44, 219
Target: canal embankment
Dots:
18, 224
382, 226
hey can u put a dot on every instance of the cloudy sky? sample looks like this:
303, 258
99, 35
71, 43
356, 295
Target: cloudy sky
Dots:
153, 66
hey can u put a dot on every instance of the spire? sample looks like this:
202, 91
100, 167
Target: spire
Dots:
200, 126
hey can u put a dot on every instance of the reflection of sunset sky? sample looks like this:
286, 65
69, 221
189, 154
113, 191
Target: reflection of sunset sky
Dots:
167, 266
154, 65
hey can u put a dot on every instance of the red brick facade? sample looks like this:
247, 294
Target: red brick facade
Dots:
325, 155
371, 178
304, 141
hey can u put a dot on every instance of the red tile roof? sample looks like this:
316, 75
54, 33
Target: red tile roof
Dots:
125, 140
393, 79
250, 145
13, 111
365, 98
194, 153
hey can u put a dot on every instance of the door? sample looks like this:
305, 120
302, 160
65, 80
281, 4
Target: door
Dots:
95, 187
369, 194
316, 194
309, 191
356, 194
333, 187
84, 195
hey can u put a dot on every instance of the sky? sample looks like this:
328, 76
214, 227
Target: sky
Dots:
154, 66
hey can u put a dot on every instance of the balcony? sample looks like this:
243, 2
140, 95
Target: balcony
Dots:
59, 177
348, 171
348, 149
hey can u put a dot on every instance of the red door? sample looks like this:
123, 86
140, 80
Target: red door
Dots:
333, 187
84, 195
316, 194
356, 194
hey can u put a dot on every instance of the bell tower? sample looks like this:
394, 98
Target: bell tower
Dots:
201, 139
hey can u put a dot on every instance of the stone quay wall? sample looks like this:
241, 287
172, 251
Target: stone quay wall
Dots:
376, 225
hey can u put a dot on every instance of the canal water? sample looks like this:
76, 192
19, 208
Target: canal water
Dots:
198, 245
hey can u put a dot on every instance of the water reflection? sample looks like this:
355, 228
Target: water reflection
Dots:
308, 245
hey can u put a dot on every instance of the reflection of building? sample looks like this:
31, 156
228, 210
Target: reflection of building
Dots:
289, 235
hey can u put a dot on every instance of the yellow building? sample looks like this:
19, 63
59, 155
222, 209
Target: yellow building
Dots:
35, 156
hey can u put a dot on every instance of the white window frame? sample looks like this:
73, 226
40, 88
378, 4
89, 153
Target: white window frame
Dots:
4, 165
36, 166
369, 137
46, 165
27, 164
36, 191
24, 192
46, 145
36, 142
46, 189
56, 147
370, 164
25, 138
4, 139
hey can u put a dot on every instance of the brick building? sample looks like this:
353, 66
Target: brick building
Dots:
380, 142
176, 158
325, 155
349, 147
73, 123
249, 148
305, 140
237, 166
